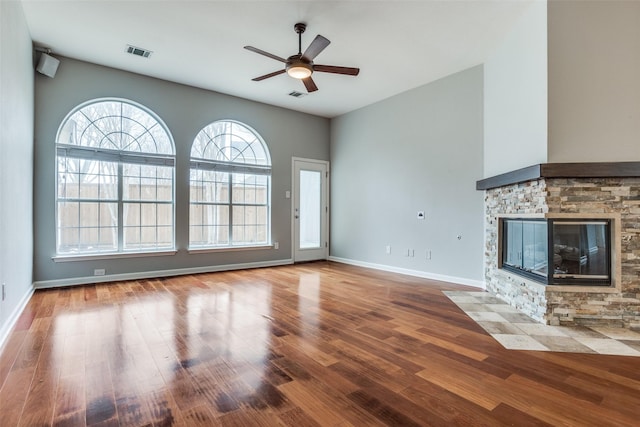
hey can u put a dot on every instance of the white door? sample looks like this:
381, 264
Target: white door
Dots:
310, 209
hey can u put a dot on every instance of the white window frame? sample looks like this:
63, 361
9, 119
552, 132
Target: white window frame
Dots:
120, 157
231, 167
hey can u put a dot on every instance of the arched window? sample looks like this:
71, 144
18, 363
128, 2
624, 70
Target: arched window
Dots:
230, 187
115, 180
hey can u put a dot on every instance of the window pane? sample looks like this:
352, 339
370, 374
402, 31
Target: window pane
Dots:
146, 225
239, 188
131, 184
147, 183
247, 226
238, 234
196, 235
86, 227
209, 186
108, 181
109, 239
208, 235
164, 214
164, 237
68, 214
116, 125
238, 217
310, 201
164, 189
195, 186
131, 237
202, 216
249, 189
131, 214
148, 215
86, 179
262, 189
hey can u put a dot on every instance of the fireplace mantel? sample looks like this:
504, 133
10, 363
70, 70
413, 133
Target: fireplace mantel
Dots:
562, 170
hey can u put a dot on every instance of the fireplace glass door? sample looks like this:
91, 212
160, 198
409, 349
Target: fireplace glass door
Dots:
558, 251
581, 250
527, 249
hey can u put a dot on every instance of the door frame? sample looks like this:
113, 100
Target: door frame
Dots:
325, 221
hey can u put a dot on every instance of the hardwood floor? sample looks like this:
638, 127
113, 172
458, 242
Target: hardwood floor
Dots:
318, 344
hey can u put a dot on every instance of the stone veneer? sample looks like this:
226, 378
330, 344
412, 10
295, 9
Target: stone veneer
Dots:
581, 196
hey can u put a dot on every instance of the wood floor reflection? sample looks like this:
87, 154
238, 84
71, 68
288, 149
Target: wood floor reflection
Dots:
318, 344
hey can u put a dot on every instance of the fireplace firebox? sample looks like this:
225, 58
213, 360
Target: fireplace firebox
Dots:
558, 251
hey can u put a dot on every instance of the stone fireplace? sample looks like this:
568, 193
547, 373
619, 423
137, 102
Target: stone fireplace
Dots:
592, 193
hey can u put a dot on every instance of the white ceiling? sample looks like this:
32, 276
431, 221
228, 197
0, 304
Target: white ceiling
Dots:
398, 45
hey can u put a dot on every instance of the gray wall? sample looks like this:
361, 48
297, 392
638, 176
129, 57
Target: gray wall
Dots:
594, 81
420, 150
16, 161
185, 110
515, 96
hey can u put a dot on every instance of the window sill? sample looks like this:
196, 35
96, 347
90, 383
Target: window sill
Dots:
197, 250
89, 257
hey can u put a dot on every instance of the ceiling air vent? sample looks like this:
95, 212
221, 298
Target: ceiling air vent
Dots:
297, 94
138, 51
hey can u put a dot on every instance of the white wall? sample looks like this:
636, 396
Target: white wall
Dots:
420, 150
515, 96
594, 81
16, 161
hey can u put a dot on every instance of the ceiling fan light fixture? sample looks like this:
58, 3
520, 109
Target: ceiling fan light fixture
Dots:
299, 70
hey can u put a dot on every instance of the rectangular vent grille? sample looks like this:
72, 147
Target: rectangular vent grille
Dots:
297, 94
138, 51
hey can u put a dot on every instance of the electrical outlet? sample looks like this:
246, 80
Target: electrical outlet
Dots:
99, 272
428, 254
388, 249
276, 245
421, 215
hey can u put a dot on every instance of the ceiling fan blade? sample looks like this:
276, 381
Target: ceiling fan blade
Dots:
267, 54
266, 76
317, 45
310, 84
350, 71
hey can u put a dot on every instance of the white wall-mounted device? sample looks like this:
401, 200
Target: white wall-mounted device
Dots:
47, 65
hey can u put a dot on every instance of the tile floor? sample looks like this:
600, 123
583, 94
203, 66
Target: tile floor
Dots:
517, 331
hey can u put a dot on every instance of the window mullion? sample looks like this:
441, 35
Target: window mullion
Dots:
231, 241
120, 207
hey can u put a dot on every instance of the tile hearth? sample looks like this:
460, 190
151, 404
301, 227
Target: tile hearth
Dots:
517, 331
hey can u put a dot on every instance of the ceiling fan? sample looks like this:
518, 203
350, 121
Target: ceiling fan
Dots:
300, 66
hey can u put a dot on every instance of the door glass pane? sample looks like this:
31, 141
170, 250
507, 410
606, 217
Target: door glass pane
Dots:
310, 201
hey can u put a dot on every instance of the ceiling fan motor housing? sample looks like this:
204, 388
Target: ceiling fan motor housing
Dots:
298, 67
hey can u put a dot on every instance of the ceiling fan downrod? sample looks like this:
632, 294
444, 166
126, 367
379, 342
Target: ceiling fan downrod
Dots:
299, 28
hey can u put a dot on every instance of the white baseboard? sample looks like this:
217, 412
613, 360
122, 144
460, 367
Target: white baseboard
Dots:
416, 273
13, 318
156, 273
